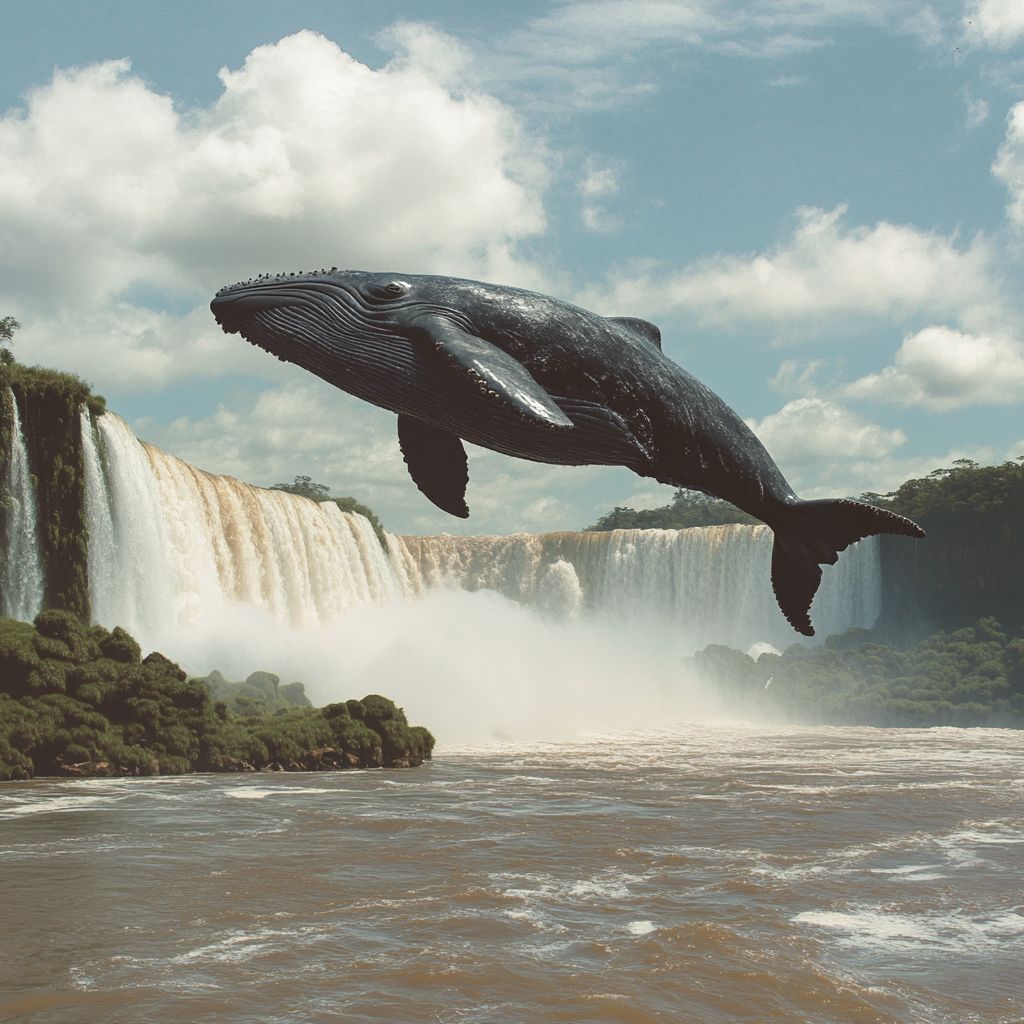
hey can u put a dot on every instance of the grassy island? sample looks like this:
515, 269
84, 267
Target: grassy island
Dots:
81, 700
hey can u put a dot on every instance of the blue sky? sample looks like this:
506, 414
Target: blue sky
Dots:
821, 204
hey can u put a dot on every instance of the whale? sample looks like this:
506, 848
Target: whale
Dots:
538, 378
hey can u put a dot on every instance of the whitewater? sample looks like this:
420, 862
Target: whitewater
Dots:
473, 635
687, 873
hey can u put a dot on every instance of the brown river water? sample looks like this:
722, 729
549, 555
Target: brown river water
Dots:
704, 873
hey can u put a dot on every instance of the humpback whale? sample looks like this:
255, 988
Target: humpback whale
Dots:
538, 378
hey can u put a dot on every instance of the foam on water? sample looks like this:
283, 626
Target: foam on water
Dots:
881, 930
538, 878
252, 793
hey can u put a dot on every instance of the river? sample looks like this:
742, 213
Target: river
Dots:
697, 873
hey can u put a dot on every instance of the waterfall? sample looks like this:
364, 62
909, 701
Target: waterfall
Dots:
172, 546
710, 584
21, 569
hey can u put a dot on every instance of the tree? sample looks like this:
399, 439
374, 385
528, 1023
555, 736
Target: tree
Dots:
306, 487
8, 325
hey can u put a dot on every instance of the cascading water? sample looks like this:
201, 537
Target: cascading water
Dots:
478, 636
170, 544
21, 569
711, 584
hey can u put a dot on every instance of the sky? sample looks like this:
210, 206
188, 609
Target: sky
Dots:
821, 204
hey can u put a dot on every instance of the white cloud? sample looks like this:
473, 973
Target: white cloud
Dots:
879, 475
600, 181
308, 158
825, 450
977, 113
995, 23
807, 431
1009, 165
825, 269
589, 53
941, 368
798, 377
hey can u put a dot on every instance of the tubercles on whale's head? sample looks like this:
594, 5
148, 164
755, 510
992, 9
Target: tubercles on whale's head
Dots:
303, 315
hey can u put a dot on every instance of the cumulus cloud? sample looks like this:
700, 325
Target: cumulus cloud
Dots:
1009, 165
307, 158
806, 431
823, 269
826, 450
942, 368
995, 23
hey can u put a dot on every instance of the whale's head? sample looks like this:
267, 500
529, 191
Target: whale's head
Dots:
325, 312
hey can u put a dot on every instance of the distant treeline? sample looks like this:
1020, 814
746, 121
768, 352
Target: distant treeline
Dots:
943, 496
688, 508
969, 677
81, 700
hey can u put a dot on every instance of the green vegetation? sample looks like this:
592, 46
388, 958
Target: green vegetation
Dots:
48, 406
969, 677
971, 563
261, 692
688, 508
78, 700
308, 488
965, 488
8, 325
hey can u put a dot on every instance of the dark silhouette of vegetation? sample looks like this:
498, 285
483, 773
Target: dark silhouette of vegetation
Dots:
688, 508
81, 700
972, 676
971, 563
309, 488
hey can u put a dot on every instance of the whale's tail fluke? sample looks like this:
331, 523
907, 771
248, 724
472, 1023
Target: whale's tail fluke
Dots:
811, 534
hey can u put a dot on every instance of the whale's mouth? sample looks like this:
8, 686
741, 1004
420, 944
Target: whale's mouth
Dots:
288, 315
235, 310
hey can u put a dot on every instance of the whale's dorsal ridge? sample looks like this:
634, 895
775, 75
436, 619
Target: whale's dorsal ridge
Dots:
496, 374
648, 331
437, 463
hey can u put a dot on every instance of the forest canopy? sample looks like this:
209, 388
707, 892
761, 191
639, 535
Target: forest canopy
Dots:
942, 495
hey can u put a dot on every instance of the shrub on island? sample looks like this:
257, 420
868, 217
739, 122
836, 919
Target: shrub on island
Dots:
968, 677
81, 700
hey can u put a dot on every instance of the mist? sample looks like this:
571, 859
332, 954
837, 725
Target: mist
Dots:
472, 667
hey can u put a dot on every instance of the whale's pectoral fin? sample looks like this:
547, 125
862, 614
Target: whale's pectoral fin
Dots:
437, 463
635, 325
494, 372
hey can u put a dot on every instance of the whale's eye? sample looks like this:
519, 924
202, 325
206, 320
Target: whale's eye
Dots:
391, 290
